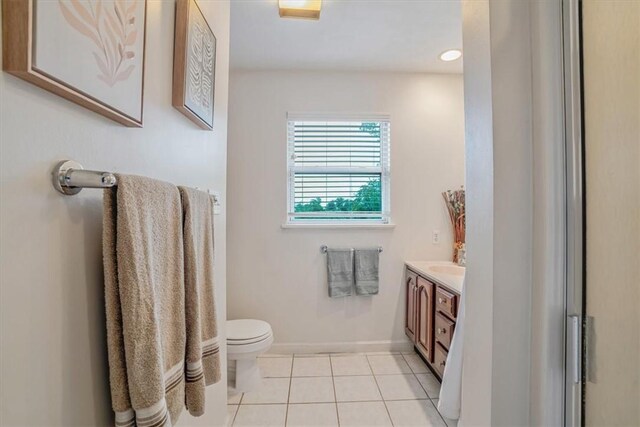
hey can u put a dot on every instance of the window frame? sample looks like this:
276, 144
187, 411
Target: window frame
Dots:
384, 170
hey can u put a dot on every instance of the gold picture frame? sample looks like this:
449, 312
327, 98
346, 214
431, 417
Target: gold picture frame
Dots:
88, 53
194, 64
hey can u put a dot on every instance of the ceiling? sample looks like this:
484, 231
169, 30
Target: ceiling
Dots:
380, 35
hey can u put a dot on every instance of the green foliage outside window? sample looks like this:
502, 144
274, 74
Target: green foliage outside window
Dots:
367, 199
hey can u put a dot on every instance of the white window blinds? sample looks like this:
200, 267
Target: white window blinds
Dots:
338, 168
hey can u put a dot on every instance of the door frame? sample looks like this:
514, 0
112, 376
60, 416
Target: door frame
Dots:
575, 213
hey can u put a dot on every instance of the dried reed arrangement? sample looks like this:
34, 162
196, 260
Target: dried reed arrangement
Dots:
454, 201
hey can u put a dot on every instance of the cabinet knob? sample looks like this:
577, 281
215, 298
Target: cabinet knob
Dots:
441, 300
442, 331
442, 363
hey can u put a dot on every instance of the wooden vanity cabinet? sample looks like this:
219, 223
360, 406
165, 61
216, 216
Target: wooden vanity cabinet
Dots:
411, 284
424, 317
432, 309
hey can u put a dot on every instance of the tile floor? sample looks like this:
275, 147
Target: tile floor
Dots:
366, 390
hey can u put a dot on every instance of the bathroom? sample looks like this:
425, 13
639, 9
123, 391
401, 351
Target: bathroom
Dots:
477, 98
279, 76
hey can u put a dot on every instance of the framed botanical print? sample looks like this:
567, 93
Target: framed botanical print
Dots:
194, 63
90, 52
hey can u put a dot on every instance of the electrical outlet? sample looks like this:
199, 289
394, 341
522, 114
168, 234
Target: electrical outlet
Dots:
435, 238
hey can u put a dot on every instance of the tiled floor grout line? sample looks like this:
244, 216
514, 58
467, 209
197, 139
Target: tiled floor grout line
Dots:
380, 390
436, 406
321, 403
416, 377
235, 414
354, 375
286, 415
425, 390
335, 395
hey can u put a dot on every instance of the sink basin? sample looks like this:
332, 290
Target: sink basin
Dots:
445, 273
452, 270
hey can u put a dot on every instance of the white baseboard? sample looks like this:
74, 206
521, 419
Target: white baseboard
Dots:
342, 347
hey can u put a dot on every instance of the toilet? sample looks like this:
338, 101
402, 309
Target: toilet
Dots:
246, 340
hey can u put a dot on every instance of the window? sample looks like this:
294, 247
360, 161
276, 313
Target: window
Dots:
338, 169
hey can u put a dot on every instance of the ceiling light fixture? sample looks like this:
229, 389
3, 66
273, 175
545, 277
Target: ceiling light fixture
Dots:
450, 55
306, 9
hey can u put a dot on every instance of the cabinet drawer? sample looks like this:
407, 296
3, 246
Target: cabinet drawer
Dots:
444, 330
446, 302
439, 359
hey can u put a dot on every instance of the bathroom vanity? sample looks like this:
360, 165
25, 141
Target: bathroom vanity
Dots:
433, 296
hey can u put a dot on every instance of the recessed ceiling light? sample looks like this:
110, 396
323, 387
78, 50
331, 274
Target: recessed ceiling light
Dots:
307, 9
450, 55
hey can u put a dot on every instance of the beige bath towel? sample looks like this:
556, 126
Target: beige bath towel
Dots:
144, 293
203, 352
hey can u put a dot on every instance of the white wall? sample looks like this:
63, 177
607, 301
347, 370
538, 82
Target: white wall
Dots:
53, 345
513, 207
498, 112
478, 293
548, 305
279, 275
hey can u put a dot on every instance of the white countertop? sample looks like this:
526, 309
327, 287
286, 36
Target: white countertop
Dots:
423, 267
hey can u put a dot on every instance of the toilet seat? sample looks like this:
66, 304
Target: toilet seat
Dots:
248, 335
249, 340
247, 331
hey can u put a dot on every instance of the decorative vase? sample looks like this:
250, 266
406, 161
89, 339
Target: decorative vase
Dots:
460, 254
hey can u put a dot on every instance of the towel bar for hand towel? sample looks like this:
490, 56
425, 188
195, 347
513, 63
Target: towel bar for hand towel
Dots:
69, 177
324, 248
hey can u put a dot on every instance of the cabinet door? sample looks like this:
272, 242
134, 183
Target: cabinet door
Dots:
410, 316
424, 339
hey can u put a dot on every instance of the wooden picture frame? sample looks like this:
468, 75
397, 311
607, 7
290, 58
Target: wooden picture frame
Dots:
194, 65
68, 47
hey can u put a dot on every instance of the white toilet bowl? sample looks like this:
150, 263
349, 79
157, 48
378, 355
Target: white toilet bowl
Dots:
246, 340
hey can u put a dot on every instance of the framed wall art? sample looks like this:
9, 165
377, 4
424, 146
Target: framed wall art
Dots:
194, 63
90, 52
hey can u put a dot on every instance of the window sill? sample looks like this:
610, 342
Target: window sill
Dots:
340, 226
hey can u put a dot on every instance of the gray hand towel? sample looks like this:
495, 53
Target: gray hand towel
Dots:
340, 272
366, 271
